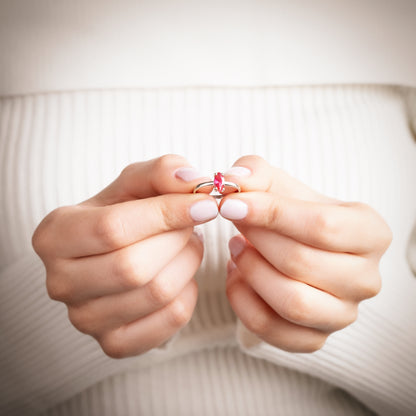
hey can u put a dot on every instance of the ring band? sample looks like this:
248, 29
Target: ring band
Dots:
218, 185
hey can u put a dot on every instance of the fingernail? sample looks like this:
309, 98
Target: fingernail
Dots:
236, 246
198, 233
204, 210
188, 174
238, 171
234, 209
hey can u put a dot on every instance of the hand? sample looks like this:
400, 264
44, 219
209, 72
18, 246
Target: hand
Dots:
303, 262
123, 261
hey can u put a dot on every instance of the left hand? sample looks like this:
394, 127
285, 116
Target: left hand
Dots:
303, 262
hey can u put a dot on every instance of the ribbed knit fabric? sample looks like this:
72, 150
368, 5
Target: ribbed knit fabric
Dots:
350, 142
217, 381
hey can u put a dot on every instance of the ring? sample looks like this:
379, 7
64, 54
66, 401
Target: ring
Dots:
218, 186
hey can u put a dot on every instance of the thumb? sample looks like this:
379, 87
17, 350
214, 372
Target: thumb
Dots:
253, 173
163, 175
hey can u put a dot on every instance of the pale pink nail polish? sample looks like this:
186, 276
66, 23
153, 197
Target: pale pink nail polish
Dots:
188, 174
236, 246
203, 211
234, 209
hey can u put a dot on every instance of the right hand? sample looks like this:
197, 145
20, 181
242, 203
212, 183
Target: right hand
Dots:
123, 261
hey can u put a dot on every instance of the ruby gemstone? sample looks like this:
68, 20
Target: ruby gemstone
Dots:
219, 182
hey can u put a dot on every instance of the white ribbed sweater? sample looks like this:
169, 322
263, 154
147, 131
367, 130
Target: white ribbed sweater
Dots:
351, 142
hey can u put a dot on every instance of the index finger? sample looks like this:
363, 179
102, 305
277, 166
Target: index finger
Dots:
253, 173
162, 175
343, 227
83, 230
290, 207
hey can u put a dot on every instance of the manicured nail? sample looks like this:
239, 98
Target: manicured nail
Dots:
188, 174
204, 210
236, 246
238, 171
198, 233
234, 209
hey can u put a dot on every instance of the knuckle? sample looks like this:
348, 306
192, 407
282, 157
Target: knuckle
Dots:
249, 160
352, 316
127, 175
156, 167
363, 208
348, 317
273, 214
297, 308
370, 286
109, 229
126, 270
80, 319
42, 240
386, 237
167, 161
58, 289
114, 345
161, 292
259, 323
168, 215
297, 263
129, 170
378, 228
326, 228
179, 313
309, 343
313, 344
358, 205
162, 165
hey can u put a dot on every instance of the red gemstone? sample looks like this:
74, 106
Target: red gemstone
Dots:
219, 182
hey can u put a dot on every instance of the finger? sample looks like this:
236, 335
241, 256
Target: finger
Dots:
85, 230
153, 330
73, 281
294, 301
162, 175
343, 275
263, 321
346, 227
109, 312
364, 229
253, 173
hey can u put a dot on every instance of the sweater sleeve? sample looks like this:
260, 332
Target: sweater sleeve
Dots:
44, 360
372, 359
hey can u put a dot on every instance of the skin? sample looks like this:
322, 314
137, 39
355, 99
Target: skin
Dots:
304, 262
123, 261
